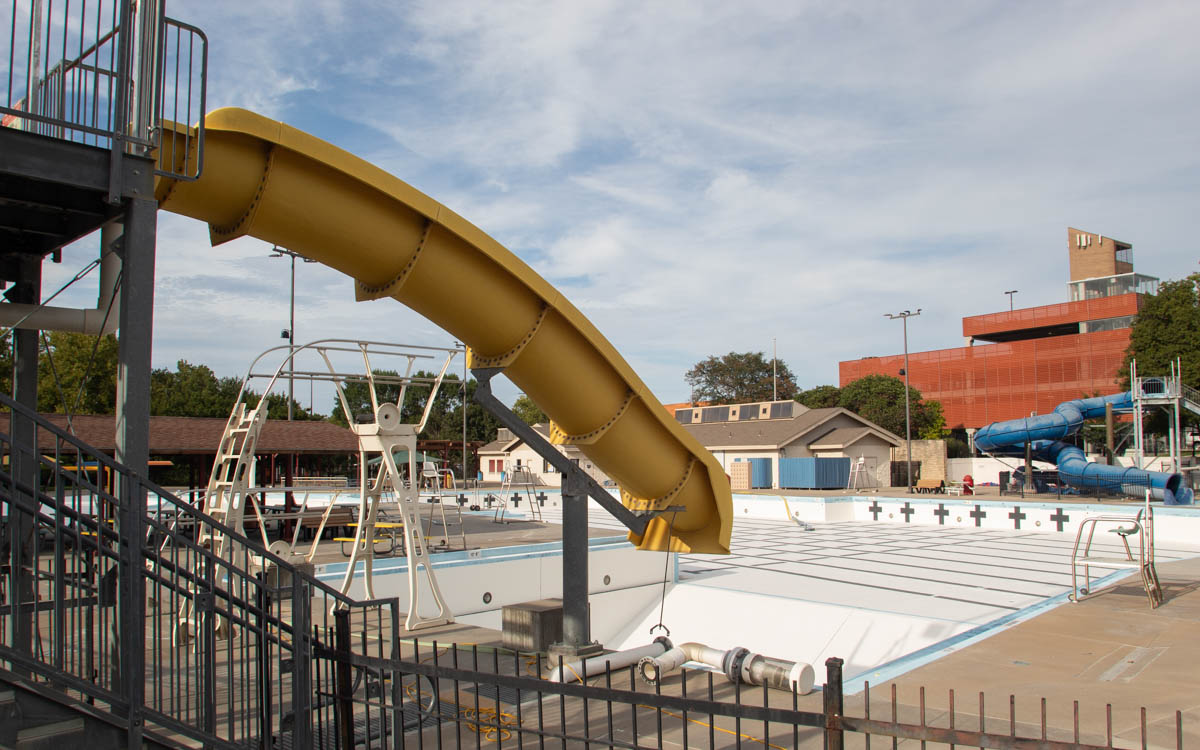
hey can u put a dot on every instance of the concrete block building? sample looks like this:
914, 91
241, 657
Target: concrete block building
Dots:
787, 429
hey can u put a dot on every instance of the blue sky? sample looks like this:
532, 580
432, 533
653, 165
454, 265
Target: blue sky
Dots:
703, 177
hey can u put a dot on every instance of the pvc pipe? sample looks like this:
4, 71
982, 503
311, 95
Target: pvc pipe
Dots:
90, 321
738, 664
572, 671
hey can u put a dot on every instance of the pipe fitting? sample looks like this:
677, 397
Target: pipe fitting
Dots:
737, 664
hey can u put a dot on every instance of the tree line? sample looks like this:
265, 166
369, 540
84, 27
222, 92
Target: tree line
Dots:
746, 377
77, 374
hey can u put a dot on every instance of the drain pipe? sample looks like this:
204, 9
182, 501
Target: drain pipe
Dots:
738, 664
572, 671
47, 318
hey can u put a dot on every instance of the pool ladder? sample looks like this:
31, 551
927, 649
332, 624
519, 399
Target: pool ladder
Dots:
1140, 526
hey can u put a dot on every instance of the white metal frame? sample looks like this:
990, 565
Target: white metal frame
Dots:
231, 484
1140, 526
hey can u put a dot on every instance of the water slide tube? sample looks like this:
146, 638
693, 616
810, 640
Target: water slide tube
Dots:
1046, 433
265, 179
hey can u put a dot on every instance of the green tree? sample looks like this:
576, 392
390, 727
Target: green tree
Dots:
445, 417
740, 378
191, 391
528, 411
820, 397
1167, 327
880, 398
77, 373
196, 391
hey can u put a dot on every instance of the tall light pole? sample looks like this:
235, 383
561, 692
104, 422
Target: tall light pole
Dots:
458, 344
774, 370
904, 316
1010, 293
290, 333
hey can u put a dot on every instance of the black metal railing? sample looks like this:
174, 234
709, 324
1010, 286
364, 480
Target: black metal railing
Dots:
463, 696
73, 74
107, 595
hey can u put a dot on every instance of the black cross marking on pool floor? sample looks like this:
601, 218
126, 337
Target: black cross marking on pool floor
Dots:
907, 511
1017, 516
876, 510
1060, 518
978, 514
941, 513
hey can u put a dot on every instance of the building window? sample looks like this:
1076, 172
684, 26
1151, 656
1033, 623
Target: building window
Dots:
1107, 324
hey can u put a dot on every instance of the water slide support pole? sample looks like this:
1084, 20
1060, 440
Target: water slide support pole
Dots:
577, 487
25, 471
576, 626
1028, 469
1109, 444
483, 394
136, 316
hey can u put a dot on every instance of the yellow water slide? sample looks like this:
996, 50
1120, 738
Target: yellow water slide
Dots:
268, 180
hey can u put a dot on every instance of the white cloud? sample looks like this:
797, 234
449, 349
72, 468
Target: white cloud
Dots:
700, 176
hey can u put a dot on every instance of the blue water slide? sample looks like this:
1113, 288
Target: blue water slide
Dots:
1046, 433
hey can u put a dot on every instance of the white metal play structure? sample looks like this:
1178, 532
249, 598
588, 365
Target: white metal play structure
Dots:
1173, 396
387, 376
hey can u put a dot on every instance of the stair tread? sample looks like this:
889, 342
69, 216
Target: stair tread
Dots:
50, 729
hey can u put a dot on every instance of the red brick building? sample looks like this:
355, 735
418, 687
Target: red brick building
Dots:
1028, 361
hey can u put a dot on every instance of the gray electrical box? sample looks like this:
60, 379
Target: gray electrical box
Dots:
533, 626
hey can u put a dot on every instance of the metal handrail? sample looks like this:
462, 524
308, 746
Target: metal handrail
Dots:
109, 567
84, 95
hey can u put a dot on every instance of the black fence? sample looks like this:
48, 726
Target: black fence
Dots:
899, 473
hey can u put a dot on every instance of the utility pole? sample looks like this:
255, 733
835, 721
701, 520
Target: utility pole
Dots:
774, 370
464, 411
904, 316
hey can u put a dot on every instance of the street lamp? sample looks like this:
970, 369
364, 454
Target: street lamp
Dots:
774, 370
1010, 293
463, 346
904, 316
289, 333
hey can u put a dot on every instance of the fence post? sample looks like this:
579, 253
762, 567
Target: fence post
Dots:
301, 665
264, 662
832, 706
206, 638
131, 614
342, 676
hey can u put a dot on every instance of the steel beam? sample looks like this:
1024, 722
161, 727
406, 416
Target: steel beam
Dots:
23, 537
577, 629
635, 522
52, 160
137, 318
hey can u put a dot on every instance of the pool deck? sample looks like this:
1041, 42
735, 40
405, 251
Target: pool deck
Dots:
996, 614
1109, 648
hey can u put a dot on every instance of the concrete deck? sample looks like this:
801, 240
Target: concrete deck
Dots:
982, 612
1110, 648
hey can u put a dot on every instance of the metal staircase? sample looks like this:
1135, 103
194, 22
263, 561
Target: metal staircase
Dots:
94, 577
34, 715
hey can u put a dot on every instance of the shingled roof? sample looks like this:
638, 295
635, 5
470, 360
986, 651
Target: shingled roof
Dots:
504, 445
175, 436
775, 433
